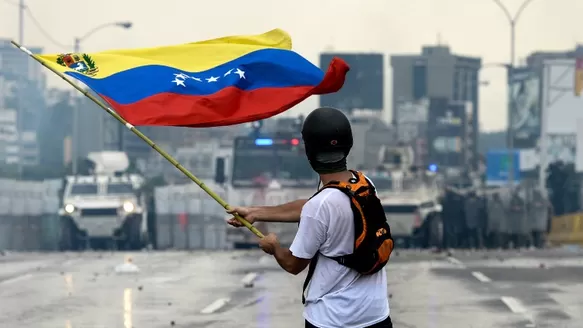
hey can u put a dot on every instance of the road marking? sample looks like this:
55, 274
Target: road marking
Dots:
249, 278
16, 279
215, 306
481, 277
127, 308
513, 304
516, 306
455, 261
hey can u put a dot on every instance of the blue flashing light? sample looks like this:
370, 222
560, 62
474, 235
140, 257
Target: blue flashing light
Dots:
433, 168
263, 142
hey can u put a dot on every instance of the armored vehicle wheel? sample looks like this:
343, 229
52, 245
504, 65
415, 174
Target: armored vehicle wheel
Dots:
69, 238
133, 234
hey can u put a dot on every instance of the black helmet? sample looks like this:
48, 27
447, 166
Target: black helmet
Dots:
328, 139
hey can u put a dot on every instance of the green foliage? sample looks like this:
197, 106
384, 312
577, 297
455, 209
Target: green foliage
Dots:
90, 62
60, 61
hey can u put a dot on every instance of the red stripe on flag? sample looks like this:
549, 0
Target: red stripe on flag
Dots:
226, 107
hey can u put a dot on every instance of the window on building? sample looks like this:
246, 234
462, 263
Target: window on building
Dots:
419, 81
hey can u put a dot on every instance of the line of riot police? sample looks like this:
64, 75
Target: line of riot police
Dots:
499, 218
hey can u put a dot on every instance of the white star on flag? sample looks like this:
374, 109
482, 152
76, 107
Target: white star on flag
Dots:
179, 82
212, 79
181, 76
196, 79
228, 72
240, 73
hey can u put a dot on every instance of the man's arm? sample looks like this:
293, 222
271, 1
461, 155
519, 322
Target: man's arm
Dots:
288, 212
288, 262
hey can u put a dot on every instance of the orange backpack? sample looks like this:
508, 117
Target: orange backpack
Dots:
373, 243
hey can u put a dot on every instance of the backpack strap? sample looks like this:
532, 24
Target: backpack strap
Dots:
311, 269
313, 262
350, 193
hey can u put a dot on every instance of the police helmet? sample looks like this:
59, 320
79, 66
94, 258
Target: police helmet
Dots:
327, 136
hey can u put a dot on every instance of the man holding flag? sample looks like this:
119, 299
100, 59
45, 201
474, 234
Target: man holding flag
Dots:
211, 83
341, 293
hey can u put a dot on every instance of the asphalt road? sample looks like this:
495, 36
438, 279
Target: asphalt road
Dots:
207, 289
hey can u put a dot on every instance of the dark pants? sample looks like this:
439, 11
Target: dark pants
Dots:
449, 236
518, 240
538, 239
387, 323
494, 240
475, 238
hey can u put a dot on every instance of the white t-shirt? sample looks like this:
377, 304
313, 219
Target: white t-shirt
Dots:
337, 296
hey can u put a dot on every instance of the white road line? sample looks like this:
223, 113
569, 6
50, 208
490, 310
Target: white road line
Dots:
481, 277
215, 306
249, 278
517, 307
16, 279
455, 261
513, 304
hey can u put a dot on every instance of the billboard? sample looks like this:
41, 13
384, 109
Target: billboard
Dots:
498, 166
411, 119
560, 147
446, 132
364, 85
524, 107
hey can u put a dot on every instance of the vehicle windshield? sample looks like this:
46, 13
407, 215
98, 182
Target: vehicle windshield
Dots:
289, 170
388, 184
84, 189
120, 188
288, 165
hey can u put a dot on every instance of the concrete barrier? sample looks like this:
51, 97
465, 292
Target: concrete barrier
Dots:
24, 222
188, 218
566, 230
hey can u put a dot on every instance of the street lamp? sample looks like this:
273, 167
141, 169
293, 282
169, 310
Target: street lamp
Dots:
77, 49
124, 25
512, 20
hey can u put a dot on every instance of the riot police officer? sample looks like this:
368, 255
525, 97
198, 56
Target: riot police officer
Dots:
517, 219
538, 215
473, 214
496, 221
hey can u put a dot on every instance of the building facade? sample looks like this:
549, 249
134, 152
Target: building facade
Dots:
22, 88
437, 73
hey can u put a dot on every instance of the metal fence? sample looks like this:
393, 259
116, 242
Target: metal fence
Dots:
188, 218
28, 218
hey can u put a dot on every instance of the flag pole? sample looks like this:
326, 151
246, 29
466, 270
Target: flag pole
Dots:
142, 136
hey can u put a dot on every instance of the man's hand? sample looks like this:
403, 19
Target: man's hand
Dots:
269, 243
247, 213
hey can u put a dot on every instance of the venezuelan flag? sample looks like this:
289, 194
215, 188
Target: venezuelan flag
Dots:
216, 82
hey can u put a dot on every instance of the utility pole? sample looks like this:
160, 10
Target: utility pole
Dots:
77, 49
21, 9
512, 20
19, 89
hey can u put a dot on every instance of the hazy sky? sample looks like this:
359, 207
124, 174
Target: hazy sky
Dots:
469, 27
